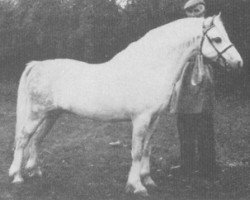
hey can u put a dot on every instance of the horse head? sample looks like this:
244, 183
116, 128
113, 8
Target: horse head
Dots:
216, 45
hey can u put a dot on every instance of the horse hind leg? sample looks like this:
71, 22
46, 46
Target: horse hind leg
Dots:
35, 142
23, 135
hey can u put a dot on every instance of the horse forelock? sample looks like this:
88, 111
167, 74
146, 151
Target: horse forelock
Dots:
220, 26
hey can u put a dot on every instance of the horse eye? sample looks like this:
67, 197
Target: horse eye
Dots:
217, 40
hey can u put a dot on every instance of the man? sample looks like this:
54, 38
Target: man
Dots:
192, 101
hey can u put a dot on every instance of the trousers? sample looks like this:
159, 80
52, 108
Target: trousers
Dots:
197, 142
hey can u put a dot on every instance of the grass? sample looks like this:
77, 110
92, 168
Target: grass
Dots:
78, 162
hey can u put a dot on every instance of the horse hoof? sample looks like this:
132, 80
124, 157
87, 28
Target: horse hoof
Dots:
17, 180
129, 188
142, 191
148, 181
35, 172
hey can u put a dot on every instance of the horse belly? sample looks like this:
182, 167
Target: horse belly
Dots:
99, 110
110, 101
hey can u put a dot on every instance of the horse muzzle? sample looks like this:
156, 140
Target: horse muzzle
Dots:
231, 65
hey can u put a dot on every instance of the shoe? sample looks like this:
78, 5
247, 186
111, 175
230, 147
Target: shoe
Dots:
181, 171
212, 173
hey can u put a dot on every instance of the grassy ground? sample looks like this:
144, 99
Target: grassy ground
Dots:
79, 163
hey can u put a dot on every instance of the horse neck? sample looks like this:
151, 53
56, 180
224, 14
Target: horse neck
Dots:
162, 51
170, 68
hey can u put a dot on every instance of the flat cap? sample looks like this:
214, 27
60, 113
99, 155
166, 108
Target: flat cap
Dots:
192, 3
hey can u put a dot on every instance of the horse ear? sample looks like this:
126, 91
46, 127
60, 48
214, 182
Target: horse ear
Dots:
208, 22
219, 15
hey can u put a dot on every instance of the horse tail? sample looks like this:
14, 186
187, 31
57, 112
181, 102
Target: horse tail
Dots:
22, 97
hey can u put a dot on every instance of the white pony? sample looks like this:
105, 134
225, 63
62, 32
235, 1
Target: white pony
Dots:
136, 85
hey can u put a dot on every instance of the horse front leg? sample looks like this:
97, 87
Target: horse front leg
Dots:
140, 125
145, 168
145, 161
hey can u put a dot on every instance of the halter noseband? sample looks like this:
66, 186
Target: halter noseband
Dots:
220, 54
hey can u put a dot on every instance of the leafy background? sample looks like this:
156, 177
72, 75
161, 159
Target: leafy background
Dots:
94, 31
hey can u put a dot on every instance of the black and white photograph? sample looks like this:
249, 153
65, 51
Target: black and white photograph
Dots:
124, 99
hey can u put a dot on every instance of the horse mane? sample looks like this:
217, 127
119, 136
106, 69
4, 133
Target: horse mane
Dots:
178, 34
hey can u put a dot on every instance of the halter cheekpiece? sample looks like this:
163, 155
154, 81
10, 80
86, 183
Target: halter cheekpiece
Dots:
206, 29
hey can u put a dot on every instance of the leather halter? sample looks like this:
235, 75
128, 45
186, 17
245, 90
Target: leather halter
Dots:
220, 53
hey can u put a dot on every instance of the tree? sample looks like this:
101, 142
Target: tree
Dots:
94, 30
